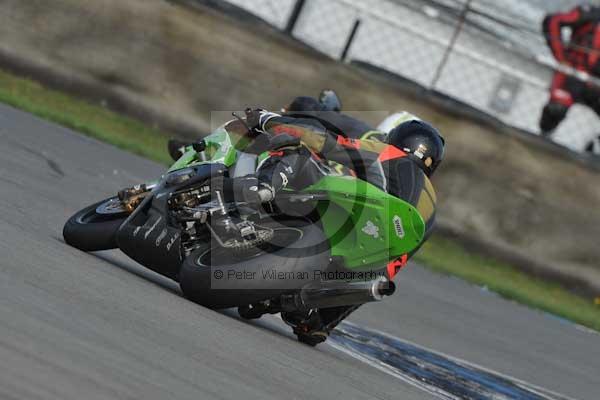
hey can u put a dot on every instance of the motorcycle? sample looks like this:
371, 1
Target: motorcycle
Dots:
332, 246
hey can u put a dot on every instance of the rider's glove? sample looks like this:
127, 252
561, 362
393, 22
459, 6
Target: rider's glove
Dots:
257, 120
250, 190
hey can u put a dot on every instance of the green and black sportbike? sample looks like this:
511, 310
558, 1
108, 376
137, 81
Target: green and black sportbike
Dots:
327, 246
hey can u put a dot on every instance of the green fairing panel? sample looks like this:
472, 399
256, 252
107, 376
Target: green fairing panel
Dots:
365, 225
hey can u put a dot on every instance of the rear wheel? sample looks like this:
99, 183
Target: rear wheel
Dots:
94, 228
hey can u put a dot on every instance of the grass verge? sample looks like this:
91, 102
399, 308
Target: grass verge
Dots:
439, 254
92, 120
449, 257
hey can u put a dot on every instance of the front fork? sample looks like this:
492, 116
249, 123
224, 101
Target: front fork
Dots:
132, 197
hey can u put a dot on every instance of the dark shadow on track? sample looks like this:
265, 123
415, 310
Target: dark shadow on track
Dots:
137, 270
434, 372
140, 272
273, 325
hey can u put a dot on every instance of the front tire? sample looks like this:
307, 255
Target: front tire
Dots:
94, 228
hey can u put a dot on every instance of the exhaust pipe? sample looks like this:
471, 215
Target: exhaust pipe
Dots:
327, 294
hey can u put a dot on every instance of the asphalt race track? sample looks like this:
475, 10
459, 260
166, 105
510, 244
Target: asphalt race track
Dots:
98, 326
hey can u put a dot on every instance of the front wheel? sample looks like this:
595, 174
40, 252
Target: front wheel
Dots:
94, 228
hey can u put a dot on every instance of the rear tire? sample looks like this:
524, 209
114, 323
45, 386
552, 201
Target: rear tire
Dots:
89, 230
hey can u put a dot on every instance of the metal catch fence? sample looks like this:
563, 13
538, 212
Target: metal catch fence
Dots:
490, 55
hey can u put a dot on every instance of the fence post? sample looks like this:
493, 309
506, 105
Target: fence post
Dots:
450, 48
350, 40
294, 17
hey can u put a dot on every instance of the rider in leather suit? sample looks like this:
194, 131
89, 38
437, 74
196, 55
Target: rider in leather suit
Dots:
582, 53
401, 165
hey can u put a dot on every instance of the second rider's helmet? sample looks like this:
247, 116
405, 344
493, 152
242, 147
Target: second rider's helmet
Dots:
330, 100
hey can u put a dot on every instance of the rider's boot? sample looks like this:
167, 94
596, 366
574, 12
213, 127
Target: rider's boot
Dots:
314, 328
307, 327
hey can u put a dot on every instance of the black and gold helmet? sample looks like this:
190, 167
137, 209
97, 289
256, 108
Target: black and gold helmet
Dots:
424, 144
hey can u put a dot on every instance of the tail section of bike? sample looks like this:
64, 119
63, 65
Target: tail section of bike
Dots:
366, 226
